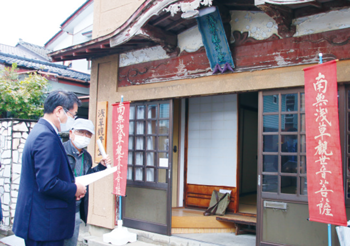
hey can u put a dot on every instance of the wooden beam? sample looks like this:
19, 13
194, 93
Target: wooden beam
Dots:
167, 40
78, 53
104, 46
160, 19
175, 24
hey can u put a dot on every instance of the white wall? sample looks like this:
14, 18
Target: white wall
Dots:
189, 40
76, 89
73, 34
212, 140
260, 26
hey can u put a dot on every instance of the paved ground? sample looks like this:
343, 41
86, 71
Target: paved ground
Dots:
226, 239
2, 236
207, 239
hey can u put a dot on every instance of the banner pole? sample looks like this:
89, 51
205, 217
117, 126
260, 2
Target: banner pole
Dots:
120, 197
329, 235
329, 225
120, 235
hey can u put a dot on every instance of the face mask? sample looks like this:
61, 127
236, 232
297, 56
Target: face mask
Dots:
81, 141
65, 127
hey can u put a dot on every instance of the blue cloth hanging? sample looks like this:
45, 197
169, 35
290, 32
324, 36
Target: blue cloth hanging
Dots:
215, 42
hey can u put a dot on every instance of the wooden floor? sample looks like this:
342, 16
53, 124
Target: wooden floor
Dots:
247, 204
186, 220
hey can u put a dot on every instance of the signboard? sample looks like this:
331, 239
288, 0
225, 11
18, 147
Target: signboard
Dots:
101, 128
120, 129
323, 152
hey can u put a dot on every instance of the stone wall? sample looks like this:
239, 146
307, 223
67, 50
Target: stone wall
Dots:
13, 135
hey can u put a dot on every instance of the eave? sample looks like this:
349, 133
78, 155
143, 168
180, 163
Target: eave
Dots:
151, 25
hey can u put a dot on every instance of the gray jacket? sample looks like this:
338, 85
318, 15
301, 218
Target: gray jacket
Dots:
87, 170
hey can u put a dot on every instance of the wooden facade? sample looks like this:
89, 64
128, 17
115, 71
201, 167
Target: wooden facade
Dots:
270, 66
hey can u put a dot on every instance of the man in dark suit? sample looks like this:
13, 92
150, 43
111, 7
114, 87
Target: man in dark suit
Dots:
45, 210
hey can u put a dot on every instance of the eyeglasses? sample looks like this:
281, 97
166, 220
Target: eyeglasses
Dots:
73, 116
83, 133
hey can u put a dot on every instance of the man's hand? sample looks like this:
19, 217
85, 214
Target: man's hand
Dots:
81, 190
106, 161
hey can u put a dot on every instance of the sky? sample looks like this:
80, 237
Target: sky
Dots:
34, 21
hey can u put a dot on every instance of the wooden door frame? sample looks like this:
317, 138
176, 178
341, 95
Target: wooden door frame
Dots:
259, 203
147, 226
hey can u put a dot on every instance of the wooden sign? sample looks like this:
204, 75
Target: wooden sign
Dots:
101, 128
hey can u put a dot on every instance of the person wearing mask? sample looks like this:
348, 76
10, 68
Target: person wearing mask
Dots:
80, 162
45, 210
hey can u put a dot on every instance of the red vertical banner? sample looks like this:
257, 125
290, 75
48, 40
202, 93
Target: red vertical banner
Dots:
120, 126
323, 152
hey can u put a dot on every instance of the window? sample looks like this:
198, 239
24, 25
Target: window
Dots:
347, 157
149, 143
283, 164
283, 169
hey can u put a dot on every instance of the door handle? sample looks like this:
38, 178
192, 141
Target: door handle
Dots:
175, 149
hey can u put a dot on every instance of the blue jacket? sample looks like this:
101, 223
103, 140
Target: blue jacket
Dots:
45, 209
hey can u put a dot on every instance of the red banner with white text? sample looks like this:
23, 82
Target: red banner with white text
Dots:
120, 128
323, 153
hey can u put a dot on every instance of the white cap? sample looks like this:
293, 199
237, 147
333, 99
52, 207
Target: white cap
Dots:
83, 124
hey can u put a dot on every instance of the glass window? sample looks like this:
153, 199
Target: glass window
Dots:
164, 111
270, 143
139, 158
283, 166
270, 183
270, 163
289, 102
132, 113
270, 103
164, 127
130, 162
347, 139
149, 142
289, 185
302, 102
270, 123
131, 128
289, 122
151, 127
303, 186
140, 114
152, 111
150, 174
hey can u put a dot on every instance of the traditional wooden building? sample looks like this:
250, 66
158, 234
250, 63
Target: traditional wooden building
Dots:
217, 94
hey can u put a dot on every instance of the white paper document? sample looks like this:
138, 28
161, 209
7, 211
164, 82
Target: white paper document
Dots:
92, 177
163, 162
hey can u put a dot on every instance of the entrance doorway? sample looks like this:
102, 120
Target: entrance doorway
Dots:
216, 138
248, 153
215, 134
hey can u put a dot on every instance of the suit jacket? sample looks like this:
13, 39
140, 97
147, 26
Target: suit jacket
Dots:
87, 170
45, 209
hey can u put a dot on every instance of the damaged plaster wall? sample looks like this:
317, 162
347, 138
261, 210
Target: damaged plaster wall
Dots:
324, 22
189, 40
260, 26
142, 55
